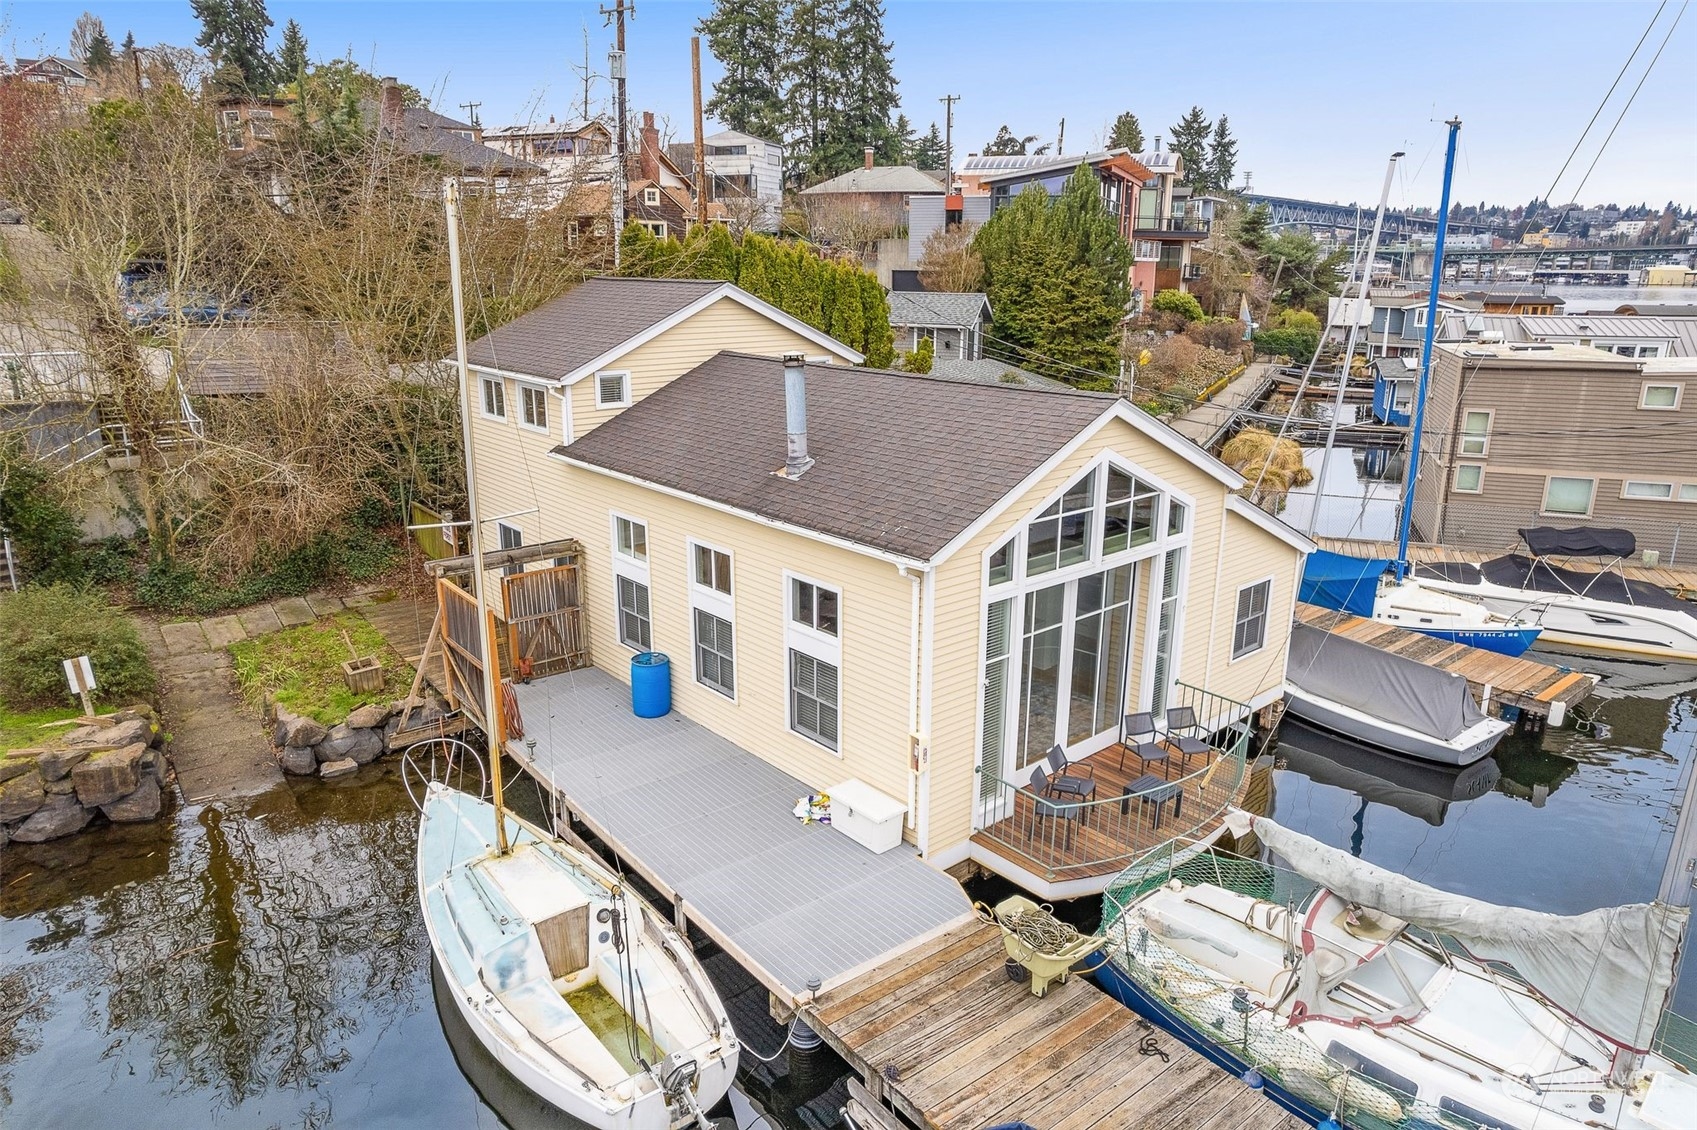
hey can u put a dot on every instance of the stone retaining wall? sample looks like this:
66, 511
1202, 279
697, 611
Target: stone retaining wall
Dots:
306, 747
115, 767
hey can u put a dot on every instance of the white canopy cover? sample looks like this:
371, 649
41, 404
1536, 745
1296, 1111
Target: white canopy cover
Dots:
1610, 969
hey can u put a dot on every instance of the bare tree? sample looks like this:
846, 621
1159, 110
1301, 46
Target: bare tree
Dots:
847, 224
948, 262
84, 32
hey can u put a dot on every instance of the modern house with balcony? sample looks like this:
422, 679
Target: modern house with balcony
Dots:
916, 602
745, 173
1001, 178
1169, 224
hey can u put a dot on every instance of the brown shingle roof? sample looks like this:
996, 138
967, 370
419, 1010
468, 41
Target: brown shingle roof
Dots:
904, 462
562, 336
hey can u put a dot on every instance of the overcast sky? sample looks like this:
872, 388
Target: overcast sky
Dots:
1318, 94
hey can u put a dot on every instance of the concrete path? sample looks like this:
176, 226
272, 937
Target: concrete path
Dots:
1201, 423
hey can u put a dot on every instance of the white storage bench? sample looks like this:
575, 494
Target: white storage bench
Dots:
866, 816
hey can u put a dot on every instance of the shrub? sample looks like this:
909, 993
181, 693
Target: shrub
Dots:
41, 627
1224, 334
346, 552
1297, 344
919, 361
45, 533
1178, 368
1178, 302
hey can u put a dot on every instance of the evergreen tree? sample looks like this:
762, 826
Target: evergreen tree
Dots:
1006, 144
1222, 157
904, 147
1127, 133
1189, 139
100, 54
813, 99
83, 32
929, 151
747, 37
129, 43
291, 56
233, 32
867, 87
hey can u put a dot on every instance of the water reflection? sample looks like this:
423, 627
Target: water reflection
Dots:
1359, 499
1421, 789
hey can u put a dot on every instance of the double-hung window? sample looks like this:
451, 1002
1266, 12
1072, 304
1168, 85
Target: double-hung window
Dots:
1475, 433
814, 641
714, 618
494, 398
511, 538
533, 406
630, 583
1249, 634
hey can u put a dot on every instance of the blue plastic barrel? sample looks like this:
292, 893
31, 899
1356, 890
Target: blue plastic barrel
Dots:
650, 684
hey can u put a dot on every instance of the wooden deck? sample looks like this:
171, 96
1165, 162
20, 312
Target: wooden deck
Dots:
943, 1036
1680, 582
1105, 838
1536, 688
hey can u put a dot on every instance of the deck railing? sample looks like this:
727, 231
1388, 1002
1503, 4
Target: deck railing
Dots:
1076, 838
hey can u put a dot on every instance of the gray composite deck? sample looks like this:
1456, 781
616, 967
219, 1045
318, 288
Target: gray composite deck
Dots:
712, 824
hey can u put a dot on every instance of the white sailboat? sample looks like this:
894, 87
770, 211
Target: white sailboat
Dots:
580, 990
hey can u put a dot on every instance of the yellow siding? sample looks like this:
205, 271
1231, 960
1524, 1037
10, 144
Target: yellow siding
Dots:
723, 325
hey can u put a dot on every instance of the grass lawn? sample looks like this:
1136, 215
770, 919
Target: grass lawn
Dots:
20, 729
302, 667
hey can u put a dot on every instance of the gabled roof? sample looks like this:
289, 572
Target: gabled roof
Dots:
548, 129
1595, 325
985, 371
48, 63
879, 178
902, 482
425, 133
937, 308
604, 318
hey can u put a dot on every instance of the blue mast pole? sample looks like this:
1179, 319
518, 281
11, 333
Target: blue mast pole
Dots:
1412, 475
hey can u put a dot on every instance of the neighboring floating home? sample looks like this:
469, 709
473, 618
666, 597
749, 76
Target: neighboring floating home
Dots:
922, 585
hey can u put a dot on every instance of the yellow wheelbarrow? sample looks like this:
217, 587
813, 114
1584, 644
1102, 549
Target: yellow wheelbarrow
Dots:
1046, 946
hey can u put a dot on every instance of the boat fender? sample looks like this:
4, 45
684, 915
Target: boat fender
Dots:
1254, 1079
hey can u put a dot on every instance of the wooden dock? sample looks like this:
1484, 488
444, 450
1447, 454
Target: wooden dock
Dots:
942, 1036
1540, 690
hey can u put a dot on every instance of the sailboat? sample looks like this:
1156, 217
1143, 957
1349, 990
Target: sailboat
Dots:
1354, 994
579, 989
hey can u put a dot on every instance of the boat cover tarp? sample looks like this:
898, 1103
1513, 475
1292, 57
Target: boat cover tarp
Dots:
1347, 584
1610, 969
1461, 572
1397, 689
1517, 571
1581, 541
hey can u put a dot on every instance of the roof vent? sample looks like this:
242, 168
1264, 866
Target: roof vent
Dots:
796, 459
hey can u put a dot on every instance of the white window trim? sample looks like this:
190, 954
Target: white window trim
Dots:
1455, 482
1544, 499
483, 401
618, 555
1490, 415
1678, 396
651, 197
520, 387
818, 645
501, 543
714, 603
624, 374
634, 570
1266, 622
1673, 490
1679, 494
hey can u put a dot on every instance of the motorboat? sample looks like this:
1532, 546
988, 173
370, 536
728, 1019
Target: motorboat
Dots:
578, 988
1366, 586
1385, 700
1599, 608
1351, 993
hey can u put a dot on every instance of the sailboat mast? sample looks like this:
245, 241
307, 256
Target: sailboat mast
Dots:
1363, 286
491, 702
1412, 475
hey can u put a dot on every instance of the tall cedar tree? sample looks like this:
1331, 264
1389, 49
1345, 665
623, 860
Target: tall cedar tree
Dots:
1055, 273
291, 56
1190, 141
1127, 133
233, 32
904, 143
1222, 158
929, 152
747, 37
868, 87
813, 98
100, 54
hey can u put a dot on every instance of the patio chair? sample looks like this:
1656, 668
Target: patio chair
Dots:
1062, 782
1045, 808
1181, 735
1137, 737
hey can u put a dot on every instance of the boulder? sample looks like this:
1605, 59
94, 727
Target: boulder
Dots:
62, 787
18, 762
390, 729
21, 796
58, 763
298, 759
361, 746
143, 804
369, 717
114, 736
60, 816
5, 836
426, 710
109, 776
292, 729
340, 768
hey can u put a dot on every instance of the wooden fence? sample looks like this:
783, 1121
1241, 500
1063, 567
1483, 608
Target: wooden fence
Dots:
545, 620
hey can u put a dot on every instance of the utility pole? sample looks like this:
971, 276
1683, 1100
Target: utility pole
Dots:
586, 73
700, 134
471, 108
948, 101
1061, 138
616, 69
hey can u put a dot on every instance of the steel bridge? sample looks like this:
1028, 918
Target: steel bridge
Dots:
1287, 211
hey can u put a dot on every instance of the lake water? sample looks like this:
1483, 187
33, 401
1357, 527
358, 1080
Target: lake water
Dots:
263, 964
1589, 299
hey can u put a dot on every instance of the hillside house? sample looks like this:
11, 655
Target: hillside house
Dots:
878, 194
745, 173
954, 323
924, 600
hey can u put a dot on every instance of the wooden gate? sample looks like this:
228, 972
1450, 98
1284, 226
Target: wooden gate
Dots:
464, 643
545, 620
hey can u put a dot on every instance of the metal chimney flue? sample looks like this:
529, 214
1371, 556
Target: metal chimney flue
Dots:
796, 459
